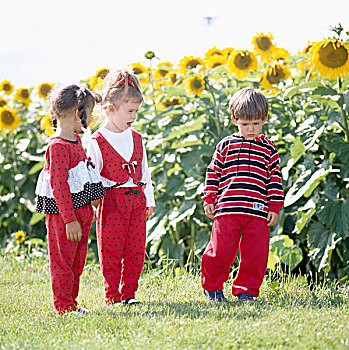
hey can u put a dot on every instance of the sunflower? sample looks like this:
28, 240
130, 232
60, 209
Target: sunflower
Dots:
172, 101
96, 81
215, 61
9, 120
3, 102
280, 54
213, 52
162, 70
20, 237
273, 75
263, 45
189, 63
228, 51
46, 124
7, 87
142, 72
172, 77
196, 85
330, 57
241, 63
44, 89
23, 96
306, 49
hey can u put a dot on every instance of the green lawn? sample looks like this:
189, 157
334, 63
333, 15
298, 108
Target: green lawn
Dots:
174, 315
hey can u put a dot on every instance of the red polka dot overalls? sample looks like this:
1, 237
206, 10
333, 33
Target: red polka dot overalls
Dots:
64, 193
121, 223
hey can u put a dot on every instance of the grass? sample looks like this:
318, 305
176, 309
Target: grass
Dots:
287, 315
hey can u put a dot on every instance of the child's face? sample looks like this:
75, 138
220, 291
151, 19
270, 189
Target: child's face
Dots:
249, 129
120, 119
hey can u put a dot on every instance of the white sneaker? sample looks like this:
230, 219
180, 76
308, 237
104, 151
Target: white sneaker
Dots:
73, 314
131, 301
116, 304
83, 310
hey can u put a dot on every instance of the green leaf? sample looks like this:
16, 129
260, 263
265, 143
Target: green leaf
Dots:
186, 129
282, 249
37, 167
322, 242
36, 218
297, 190
335, 213
296, 152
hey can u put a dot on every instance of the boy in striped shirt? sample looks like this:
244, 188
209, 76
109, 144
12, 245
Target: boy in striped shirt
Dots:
243, 194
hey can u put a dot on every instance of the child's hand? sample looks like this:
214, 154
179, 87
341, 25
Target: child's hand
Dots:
272, 218
209, 210
149, 211
73, 230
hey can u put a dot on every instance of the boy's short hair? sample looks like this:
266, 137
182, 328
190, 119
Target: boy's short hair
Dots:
248, 104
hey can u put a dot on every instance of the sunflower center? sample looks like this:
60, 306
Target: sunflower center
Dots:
216, 64
3, 103
45, 89
163, 72
192, 64
137, 71
242, 61
263, 43
103, 73
7, 117
275, 75
7, 87
25, 93
196, 84
333, 57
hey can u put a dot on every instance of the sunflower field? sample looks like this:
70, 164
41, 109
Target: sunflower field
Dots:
184, 116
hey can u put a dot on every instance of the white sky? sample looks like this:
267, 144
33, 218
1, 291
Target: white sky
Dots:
68, 40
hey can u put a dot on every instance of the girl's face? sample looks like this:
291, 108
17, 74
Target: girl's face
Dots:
249, 129
120, 119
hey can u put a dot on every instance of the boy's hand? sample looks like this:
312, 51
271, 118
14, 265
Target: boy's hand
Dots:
73, 230
272, 218
149, 211
209, 210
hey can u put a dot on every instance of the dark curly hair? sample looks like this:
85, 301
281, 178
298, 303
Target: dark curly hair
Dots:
70, 97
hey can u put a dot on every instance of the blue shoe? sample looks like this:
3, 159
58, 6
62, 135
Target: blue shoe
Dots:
245, 297
216, 295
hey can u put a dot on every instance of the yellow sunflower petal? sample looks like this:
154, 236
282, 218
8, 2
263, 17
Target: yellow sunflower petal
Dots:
9, 120
7, 87
196, 85
330, 57
241, 62
44, 90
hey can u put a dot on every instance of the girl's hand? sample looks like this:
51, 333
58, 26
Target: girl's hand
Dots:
272, 218
209, 210
73, 230
149, 211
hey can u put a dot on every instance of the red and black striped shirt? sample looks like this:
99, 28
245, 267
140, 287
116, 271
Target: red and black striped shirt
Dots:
244, 177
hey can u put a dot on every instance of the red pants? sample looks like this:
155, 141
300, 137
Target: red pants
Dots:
221, 251
121, 235
67, 258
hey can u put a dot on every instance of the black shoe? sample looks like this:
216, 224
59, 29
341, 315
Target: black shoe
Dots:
245, 297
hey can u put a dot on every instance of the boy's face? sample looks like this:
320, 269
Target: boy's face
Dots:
249, 129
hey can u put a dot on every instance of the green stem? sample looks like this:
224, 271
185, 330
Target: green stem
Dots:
345, 117
216, 119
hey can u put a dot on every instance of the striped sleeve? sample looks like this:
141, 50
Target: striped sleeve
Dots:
275, 193
213, 176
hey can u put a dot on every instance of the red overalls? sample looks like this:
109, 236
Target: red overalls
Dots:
121, 223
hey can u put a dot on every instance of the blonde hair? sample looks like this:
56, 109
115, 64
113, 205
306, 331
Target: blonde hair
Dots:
121, 86
248, 104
